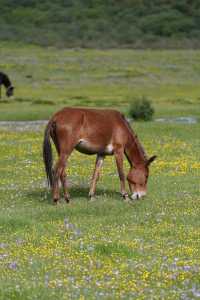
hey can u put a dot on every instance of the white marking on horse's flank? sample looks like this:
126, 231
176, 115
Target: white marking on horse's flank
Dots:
109, 148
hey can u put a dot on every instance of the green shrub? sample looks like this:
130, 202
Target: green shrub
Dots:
141, 109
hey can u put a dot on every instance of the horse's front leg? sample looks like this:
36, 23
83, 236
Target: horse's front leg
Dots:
95, 177
119, 157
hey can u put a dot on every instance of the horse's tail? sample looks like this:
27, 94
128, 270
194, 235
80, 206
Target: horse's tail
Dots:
47, 155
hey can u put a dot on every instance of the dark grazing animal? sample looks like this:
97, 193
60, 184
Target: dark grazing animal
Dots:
100, 132
4, 80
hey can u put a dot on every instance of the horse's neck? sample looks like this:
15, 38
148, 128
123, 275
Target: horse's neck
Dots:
134, 151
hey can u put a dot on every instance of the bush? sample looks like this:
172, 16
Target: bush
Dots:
141, 109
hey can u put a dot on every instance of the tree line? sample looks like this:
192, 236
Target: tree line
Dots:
102, 23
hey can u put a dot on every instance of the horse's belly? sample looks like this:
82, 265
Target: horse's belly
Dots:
89, 148
85, 148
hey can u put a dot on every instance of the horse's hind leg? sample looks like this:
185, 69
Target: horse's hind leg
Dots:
60, 175
58, 170
65, 141
64, 150
63, 179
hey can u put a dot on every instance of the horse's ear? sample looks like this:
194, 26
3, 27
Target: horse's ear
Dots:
151, 159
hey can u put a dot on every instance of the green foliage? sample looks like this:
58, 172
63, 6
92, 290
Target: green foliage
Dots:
105, 23
141, 109
167, 23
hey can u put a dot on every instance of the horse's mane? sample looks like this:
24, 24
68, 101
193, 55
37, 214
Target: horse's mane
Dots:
136, 140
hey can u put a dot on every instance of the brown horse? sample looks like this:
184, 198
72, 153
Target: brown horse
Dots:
100, 132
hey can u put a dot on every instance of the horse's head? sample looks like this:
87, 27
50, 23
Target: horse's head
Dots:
137, 179
9, 91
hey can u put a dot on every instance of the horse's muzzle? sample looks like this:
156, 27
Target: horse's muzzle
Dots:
137, 195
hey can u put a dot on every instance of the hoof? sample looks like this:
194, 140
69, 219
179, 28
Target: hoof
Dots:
126, 198
67, 200
91, 198
55, 201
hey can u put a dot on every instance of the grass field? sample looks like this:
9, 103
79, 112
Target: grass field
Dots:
106, 249
47, 79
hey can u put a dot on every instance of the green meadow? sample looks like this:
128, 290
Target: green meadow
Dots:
106, 249
47, 79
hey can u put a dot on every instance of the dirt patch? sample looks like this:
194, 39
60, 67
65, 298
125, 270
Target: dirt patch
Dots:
23, 125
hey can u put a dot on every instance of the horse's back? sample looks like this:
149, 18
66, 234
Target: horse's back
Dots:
96, 118
100, 127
